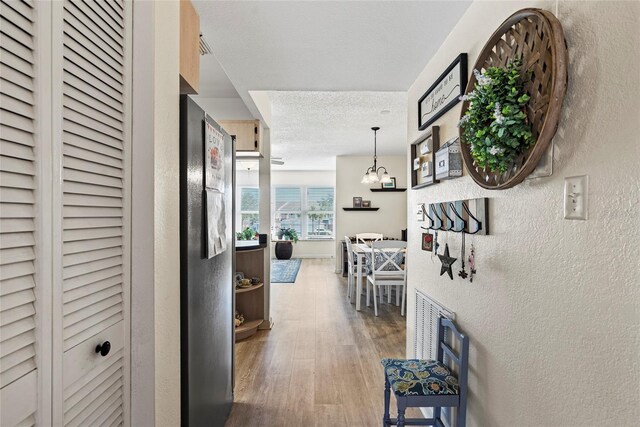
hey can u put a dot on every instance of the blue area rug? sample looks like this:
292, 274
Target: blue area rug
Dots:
285, 270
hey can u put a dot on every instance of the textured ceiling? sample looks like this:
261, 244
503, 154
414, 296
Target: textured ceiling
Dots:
309, 129
330, 66
324, 45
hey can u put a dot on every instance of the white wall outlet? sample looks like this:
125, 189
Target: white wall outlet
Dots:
576, 197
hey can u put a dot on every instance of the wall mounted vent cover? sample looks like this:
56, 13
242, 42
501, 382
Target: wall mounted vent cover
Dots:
426, 328
205, 49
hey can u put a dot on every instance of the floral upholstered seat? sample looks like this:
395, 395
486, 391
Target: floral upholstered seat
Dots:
415, 377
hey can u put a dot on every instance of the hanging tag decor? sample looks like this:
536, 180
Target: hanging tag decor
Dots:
462, 273
447, 262
472, 262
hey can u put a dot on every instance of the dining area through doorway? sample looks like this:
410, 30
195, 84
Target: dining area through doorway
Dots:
375, 268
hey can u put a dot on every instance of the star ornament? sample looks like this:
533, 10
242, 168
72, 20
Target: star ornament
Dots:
447, 262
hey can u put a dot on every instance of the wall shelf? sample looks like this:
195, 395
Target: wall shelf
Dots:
360, 209
249, 289
250, 301
247, 329
388, 190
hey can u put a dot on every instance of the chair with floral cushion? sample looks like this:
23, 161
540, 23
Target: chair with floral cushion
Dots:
429, 383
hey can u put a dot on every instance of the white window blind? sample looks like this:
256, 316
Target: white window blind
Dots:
319, 212
249, 208
288, 199
288, 208
308, 210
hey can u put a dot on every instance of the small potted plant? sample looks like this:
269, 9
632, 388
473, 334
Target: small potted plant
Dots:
247, 234
284, 247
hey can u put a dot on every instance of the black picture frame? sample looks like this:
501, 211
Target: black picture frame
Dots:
427, 242
357, 202
417, 181
462, 60
390, 185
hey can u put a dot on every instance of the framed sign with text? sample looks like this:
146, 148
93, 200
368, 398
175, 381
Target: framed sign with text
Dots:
444, 93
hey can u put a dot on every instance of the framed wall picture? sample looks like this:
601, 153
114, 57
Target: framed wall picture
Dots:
449, 160
444, 93
426, 169
391, 184
357, 202
422, 158
427, 242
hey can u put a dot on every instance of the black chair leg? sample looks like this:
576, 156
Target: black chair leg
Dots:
402, 406
436, 417
387, 398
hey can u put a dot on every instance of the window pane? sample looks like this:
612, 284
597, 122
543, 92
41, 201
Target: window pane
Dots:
249, 199
319, 225
288, 199
288, 220
320, 198
251, 220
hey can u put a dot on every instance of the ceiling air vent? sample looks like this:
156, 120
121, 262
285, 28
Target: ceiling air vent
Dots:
205, 49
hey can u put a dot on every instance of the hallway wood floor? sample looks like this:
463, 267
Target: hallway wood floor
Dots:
320, 364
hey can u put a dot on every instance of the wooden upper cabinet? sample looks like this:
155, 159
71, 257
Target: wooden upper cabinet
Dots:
248, 133
189, 48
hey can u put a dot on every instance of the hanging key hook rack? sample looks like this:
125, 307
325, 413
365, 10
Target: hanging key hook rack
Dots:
468, 216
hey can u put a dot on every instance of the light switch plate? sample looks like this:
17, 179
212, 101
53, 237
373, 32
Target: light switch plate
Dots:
576, 197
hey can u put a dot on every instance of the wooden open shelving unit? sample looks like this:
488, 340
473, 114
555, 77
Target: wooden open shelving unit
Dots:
360, 209
250, 301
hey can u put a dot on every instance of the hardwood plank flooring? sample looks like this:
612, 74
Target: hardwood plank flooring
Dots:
320, 364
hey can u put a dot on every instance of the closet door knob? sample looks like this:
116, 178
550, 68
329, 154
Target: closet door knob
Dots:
103, 348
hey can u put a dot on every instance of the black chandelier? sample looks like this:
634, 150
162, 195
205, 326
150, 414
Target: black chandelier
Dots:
371, 175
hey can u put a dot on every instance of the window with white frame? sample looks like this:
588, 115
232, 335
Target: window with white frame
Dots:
249, 209
309, 210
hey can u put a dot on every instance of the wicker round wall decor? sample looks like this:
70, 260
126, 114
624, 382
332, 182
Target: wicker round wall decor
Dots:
536, 36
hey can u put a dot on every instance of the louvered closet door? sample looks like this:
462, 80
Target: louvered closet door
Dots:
19, 143
95, 213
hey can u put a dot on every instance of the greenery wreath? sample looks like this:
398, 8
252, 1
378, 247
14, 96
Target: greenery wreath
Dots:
495, 125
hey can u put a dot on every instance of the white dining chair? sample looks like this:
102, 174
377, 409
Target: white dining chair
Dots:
351, 265
386, 264
364, 237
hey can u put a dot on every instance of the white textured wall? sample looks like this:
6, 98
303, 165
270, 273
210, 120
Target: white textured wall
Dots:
167, 213
553, 314
392, 216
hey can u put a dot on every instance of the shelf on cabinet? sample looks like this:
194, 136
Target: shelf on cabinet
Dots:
249, 289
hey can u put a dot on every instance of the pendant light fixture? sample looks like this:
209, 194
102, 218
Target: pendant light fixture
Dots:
371, 175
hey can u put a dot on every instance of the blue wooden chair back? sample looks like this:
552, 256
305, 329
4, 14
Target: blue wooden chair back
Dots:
446, 353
